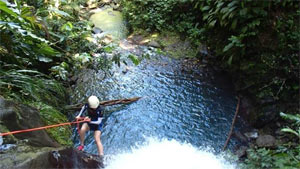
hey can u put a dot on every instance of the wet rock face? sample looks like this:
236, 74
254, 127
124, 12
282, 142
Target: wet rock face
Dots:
19, 117
71, 158
23, 157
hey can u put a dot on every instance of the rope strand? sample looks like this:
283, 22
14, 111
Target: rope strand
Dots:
79, 120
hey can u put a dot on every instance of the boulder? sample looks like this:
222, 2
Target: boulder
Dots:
19, 117
154, 44
266, 141
72, 158
25, 156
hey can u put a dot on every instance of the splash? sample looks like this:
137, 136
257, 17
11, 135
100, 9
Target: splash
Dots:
1, 140
167, 154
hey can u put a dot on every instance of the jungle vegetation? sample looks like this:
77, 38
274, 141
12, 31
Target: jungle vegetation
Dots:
42, 43
257, 42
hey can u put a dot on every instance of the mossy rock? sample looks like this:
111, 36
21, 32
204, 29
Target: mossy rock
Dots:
8, 139
171, 43
15, 116
25, 156
52, 116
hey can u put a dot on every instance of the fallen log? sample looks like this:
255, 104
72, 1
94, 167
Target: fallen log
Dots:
104, 103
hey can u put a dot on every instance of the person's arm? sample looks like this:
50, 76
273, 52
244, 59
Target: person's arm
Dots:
81, 111
97, 122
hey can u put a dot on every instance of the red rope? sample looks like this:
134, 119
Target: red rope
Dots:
79, 120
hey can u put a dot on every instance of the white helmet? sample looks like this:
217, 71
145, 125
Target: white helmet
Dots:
93, 102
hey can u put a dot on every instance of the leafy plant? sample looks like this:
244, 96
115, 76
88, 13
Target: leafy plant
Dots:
22, 84
19, 31
281, 158
296, 121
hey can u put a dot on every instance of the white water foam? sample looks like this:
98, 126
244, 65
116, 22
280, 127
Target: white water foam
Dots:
1, 140
168, 154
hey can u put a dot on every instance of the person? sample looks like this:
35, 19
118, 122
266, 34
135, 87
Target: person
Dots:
94, 118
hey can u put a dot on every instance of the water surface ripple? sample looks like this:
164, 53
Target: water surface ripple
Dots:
193, 106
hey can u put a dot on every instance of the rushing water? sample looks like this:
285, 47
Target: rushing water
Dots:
167, 154
188, 109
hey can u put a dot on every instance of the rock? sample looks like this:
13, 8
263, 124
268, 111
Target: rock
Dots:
72, 158
24, 156
246, 108
136, 39
18, 117
241, 152
154, 44
240, 136
202, 53
85, 75
266, 141
266, 116
96, 30
251, 135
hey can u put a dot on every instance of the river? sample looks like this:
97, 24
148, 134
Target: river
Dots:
181, 121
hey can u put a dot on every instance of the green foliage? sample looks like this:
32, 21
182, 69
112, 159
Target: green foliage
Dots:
148, 14
134, 59
20, 38
44, 36
22, 84
281, 158
296, 124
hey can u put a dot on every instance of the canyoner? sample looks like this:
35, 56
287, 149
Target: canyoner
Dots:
94, 123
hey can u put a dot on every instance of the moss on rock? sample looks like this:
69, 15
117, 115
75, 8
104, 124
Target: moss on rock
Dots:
171, 42
51, 116
9, 139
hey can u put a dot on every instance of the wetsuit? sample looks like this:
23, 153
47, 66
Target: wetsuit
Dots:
96, 117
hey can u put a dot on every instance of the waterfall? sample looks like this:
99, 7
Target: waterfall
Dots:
168, 154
